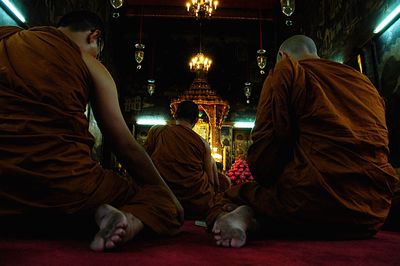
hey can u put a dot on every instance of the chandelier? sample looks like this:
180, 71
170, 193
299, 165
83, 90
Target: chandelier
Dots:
200, 62
201, 8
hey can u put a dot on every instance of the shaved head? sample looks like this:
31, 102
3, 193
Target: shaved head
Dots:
298, 47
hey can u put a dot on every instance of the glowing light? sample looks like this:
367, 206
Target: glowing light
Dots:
200, 62
243, 124
359, 61
338, 58
388, 19
149, 121
14, 10
216, 155
201, 8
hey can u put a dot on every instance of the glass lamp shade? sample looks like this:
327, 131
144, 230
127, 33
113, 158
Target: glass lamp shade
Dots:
287, 7
139, 54
116, 3
247, 91
261, 60
151, 86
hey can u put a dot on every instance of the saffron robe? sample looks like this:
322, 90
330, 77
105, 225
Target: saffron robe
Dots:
45, 151
179, 154
319, 152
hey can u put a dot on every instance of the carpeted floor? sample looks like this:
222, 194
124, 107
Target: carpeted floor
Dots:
195, 247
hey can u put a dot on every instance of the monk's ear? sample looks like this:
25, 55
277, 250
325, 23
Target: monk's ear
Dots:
281, 54
285, 54
93, 36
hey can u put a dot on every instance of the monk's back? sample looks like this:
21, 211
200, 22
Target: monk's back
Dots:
343, 108
179, 153
341, 149
44, 90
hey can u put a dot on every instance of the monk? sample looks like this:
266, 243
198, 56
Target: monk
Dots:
48, 76
184, 160
319, 154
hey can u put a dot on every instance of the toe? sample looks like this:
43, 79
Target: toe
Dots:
97, 244
121, 232
216, 229
226, 243
116, 238
110, 244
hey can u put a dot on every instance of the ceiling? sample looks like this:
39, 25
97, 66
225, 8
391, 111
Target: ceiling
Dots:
248, 4
228, 9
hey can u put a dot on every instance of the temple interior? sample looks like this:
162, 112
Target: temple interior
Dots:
151, 48
218, 54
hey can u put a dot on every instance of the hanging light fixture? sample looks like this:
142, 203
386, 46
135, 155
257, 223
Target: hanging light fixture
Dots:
287, 7
261, 53
116, 4
247, 91
261, 60
139, 54
151, 86
139, 47
202, 8
151, 83
200, 62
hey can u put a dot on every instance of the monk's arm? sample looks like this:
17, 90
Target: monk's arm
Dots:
272, 134
149, 143
112, 124
211, 167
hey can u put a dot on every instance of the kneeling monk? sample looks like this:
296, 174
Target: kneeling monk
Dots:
184, 161
47, 77
319, 154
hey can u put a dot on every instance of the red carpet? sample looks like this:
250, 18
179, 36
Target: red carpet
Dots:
195, 247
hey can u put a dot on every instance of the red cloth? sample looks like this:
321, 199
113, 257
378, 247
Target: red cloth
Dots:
195, 247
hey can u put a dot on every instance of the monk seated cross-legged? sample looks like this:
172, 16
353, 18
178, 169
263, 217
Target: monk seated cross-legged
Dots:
184, 160
319, 154
48, 76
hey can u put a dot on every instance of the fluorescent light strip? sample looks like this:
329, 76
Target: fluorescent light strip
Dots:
14, 10
243, 124
388, 19
150, 121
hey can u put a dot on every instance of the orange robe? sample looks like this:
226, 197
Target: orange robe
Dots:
45, 152
179, 154
319, 152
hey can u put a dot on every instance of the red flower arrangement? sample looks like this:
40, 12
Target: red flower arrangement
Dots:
239, 172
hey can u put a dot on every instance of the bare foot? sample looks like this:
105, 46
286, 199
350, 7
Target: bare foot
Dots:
230, 229
116, 227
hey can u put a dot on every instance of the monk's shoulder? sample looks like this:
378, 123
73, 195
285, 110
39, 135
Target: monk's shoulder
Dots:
156, 129
6, 31
188, 135
286, 64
